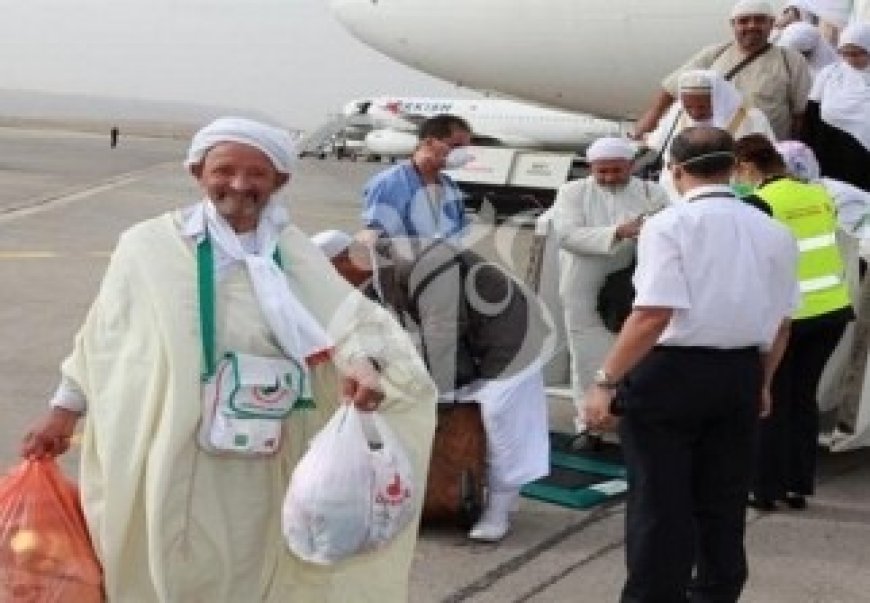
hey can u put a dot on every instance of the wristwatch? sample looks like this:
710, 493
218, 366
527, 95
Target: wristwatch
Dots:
603, 380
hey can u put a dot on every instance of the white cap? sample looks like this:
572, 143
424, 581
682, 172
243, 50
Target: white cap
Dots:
696, 80
857, 34
744, 8
332, 242
275, 143
610, 147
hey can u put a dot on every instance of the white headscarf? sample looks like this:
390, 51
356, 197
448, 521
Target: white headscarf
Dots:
610, 147
725, 97
835, 12
274, 142
799, 160
843, 92
807, 40
297, 332
857, 34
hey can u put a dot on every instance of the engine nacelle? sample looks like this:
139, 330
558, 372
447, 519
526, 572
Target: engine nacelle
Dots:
390, 143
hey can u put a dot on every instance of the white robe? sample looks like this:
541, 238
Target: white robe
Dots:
514, 413
755, 122
172, 523
584, 219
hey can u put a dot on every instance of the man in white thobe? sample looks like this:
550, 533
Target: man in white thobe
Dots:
596, 221
170, 518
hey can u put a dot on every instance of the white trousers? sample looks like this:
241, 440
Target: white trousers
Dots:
588, 343
514, 412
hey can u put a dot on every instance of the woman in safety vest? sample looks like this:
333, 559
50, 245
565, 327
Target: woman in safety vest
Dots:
787, 440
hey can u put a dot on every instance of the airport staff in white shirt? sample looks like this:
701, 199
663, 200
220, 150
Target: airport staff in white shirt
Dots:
596, 221
690, 373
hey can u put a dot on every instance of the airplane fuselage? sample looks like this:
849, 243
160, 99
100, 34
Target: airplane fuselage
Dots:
603, 57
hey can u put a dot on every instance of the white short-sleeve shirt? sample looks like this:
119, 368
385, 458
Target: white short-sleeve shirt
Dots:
728, 271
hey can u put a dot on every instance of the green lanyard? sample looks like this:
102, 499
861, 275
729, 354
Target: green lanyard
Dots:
205, 289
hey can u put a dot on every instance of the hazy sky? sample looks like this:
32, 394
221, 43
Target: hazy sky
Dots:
287, 58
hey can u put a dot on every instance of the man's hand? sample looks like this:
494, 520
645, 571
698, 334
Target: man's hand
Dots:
596, 409
630, 229
50, 436
766, 403
360, 385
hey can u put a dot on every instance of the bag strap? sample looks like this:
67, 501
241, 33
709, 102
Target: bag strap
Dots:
746, 61
738, 118
206, 297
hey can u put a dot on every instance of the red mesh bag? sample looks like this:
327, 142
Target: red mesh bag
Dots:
45, 552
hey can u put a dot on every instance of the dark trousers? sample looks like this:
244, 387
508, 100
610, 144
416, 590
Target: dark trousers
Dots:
788, 437
687, 434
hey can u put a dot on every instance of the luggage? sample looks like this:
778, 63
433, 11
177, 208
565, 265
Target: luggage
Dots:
457, 470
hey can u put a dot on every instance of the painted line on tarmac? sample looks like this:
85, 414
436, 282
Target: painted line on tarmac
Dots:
41, 204
511, 566
42, 255
27, 255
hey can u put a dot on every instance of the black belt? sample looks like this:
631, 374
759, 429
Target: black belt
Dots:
690, 349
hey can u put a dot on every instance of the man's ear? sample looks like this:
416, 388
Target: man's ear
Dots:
281, 180
196, 170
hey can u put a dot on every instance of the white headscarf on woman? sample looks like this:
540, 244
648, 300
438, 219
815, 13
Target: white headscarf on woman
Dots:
843, 92
808, 41
297, 332
725, 98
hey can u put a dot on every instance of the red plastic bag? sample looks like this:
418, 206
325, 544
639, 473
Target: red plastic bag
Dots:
45, 552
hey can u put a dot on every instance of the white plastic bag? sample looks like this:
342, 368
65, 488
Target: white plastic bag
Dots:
351, 492
394, 494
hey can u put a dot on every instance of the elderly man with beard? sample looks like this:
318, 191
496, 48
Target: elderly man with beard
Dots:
776, 80
705, 99
176, 511
596, 221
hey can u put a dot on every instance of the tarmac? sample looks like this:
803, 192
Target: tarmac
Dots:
65, 198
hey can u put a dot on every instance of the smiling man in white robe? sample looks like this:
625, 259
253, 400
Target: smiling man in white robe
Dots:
596, 222
172, 519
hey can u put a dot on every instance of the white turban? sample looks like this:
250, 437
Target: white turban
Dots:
332, 242
799, 160
807, 39
277, 144
745, 8
800, 36
696, 80
857, 34
610, 148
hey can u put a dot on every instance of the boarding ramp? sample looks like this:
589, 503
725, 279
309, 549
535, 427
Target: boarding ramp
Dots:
321, 139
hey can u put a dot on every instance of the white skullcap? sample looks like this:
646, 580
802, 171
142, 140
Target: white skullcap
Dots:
695, 80
332, 242
745, 8
274, 142
857, 34
799, 160
610, 147
800, 36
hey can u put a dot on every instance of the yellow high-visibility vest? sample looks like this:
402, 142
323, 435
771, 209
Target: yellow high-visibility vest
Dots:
808, 211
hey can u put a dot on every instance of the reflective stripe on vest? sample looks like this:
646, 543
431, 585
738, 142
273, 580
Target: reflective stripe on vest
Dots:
809, 213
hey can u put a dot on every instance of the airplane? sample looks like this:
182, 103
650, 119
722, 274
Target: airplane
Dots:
392, 123
601, 57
